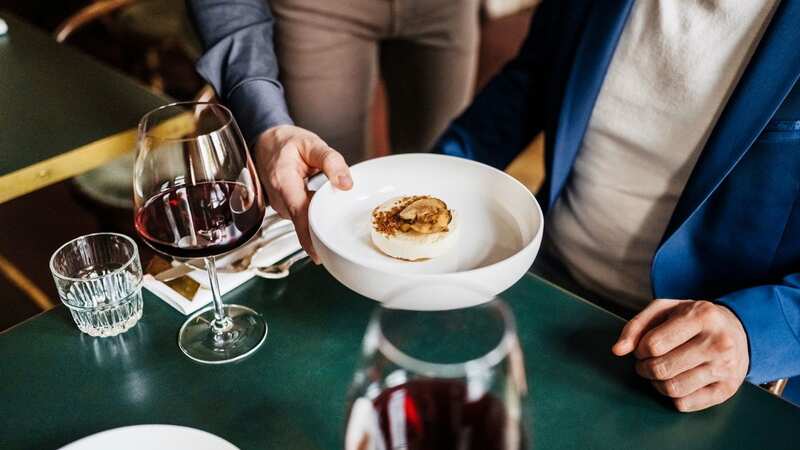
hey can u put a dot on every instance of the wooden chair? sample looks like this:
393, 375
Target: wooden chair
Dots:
153, 27
106, 188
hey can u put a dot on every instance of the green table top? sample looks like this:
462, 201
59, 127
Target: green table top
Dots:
54, 99
58, 385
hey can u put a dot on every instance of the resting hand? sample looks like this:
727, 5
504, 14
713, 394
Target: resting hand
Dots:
693, 351
287, 155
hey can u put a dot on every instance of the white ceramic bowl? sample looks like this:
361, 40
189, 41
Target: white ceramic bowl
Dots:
500, 231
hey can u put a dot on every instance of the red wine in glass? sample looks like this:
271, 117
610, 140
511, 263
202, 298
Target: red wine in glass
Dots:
436, 414
201, 220
197, 195
438, 380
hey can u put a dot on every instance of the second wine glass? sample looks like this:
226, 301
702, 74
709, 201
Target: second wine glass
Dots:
197, 195
439, 380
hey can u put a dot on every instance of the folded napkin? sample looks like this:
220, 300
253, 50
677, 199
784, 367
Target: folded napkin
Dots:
277, 240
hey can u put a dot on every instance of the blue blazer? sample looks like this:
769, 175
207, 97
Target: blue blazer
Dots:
735, 235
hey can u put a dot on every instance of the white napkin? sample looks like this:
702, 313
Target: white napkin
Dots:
3, 27
277, 246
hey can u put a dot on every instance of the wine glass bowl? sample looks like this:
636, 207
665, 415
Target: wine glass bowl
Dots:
450, 379
195, 188
197, 195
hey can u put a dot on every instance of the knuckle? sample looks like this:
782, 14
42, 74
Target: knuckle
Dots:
706, 311
275, 179
673, 388
294, 211
304, 141
651, 346
723, 343
328, 156
658, 369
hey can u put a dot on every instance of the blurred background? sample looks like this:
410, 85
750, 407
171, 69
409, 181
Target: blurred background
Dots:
153, 42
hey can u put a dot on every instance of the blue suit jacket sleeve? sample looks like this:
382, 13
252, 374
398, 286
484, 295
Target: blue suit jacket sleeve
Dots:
771, 317
239, 60
508, 113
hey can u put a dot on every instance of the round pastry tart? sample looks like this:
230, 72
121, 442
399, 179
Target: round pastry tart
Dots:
414, 227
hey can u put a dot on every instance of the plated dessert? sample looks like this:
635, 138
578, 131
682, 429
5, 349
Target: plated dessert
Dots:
414, 228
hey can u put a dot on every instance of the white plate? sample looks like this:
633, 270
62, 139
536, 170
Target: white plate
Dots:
499, 219
151, 437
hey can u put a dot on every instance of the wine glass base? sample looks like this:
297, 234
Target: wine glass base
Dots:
246, 333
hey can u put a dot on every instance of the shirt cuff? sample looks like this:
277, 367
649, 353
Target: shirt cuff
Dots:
258, 104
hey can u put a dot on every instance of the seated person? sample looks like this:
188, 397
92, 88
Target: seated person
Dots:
673, 174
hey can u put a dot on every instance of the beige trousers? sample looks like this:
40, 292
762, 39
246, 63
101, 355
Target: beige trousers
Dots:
330, 52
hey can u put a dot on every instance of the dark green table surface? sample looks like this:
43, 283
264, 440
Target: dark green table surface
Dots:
54, 99
57, 385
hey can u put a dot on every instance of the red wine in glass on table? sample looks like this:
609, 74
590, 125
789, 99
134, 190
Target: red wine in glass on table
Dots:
439, 380
439, 414
197, 195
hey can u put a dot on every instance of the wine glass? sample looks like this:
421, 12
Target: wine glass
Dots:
438, 380
196, 195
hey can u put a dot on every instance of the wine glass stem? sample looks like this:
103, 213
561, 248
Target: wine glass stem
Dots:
221, 322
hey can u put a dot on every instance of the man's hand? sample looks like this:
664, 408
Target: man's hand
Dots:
285, 156
693, 351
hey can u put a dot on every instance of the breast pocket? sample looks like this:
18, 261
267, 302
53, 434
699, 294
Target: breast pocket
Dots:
747, 215
781, 131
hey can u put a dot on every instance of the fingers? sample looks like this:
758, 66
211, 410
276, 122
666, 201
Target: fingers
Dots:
674, 331
332, 163
639, 325
276, 202
687, 382
682, 359
288, 155
296, 199
276, 186
703, 398
303, 233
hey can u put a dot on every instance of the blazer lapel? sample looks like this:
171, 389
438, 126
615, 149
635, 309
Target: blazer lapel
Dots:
593, 55
765, 83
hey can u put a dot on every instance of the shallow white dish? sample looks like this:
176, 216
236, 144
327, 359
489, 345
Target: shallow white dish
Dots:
500, 230
152, 437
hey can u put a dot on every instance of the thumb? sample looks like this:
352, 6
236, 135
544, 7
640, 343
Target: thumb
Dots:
331, 162
636, 328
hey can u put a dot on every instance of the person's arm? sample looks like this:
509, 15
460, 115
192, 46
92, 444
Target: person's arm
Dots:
507, 114
239, 61
771, 317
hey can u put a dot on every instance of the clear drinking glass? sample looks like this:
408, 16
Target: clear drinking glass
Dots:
196, 195
438, 380
99, 279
